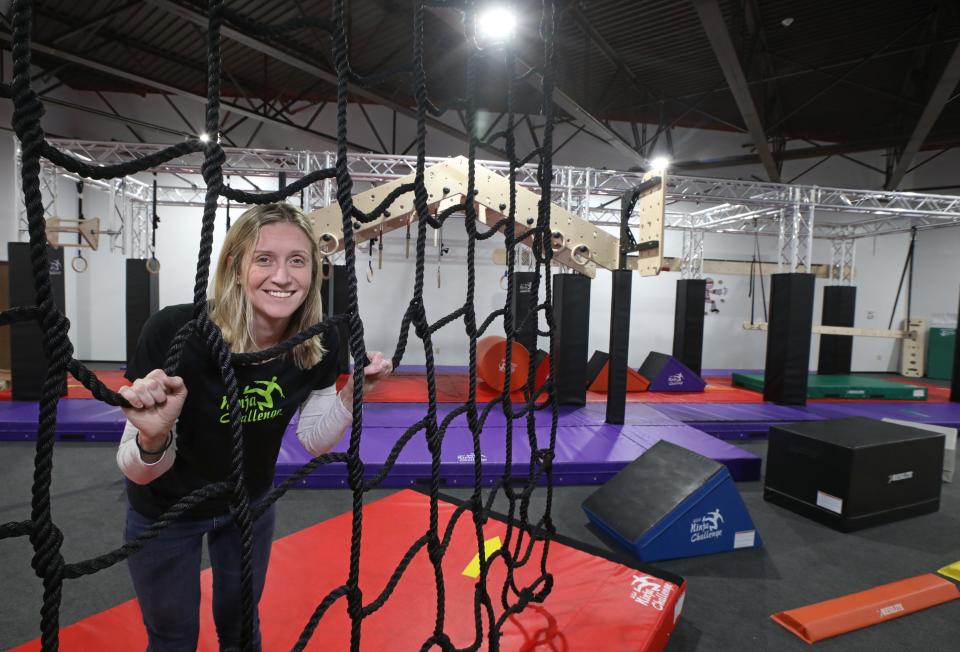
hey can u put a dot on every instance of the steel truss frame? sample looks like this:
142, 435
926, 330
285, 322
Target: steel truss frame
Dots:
694, 203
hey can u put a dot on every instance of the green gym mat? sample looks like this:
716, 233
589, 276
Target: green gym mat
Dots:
844, 386
940, 343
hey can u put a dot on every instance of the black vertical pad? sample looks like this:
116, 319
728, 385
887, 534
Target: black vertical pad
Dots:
688, 323
788, 339
571, 317
334, 292
619, 344
955, 379
836, 351
28, 362
143, 300
523, 301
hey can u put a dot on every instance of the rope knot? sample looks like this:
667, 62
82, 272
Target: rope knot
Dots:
545, 456
213, 161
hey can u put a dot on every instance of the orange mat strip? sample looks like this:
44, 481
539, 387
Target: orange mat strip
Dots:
830, 618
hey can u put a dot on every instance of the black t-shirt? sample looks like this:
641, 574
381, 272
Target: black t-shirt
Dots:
270, 394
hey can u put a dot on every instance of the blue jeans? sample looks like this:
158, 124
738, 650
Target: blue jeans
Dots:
166, 577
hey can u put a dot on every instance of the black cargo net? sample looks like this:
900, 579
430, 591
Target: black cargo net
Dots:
526, 541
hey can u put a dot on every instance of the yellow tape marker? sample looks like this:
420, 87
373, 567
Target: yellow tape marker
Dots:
952, 571
490, 546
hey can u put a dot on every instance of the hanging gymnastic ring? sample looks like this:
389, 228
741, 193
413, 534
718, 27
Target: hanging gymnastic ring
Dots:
326, 268
153, 265
581, 254
328, 244
79, 264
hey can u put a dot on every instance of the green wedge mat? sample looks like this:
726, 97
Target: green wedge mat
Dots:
845, 386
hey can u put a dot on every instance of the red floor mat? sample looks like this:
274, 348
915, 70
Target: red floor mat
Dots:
112, 378
595, 604
452, 388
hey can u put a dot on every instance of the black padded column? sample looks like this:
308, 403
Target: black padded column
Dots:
143, 300
619, 344
334, 292
571, 317
955, 378
688, 322
788, 339
839, 308
28, 362
523, 301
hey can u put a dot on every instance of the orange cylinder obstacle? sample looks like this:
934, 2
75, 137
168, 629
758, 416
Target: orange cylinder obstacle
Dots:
491, 362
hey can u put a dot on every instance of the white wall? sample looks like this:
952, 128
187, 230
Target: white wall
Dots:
96, 304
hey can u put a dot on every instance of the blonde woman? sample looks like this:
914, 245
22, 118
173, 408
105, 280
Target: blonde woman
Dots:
177, 437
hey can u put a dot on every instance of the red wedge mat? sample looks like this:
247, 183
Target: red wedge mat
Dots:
595, 604
635, 382
816, 622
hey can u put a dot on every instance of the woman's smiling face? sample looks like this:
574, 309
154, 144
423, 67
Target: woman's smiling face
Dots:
278, 277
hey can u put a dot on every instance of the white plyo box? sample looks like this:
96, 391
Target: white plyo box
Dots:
949, 444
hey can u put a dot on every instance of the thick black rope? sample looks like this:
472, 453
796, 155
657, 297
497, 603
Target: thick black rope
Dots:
521, 540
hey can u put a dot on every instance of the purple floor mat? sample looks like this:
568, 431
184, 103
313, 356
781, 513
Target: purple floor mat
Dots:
384, 415
735, 420
586, 453
743, 466
77, 419
940, 414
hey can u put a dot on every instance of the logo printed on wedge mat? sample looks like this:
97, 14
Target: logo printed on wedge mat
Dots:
650, 591
706, 527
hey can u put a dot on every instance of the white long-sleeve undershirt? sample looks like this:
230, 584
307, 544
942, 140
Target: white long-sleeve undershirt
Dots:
323, 420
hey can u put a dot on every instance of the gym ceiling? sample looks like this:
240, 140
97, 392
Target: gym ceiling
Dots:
798, 79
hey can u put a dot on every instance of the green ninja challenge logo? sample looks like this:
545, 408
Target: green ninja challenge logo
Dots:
256, 402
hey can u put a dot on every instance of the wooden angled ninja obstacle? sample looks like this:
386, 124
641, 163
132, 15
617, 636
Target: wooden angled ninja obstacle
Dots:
576, 244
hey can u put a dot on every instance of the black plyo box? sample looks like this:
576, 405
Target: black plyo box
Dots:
854, 473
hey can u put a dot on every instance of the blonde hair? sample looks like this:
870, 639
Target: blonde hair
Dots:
229, 307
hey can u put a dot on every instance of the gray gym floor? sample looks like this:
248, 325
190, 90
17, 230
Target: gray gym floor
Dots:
729, 597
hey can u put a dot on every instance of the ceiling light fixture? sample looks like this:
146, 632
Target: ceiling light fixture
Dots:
659, 164
495, 25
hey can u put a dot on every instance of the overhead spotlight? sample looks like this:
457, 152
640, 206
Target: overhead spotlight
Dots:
659, 164
787, 22
204, 137
496, 25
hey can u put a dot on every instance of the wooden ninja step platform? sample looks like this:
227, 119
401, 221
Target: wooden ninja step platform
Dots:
850, 386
